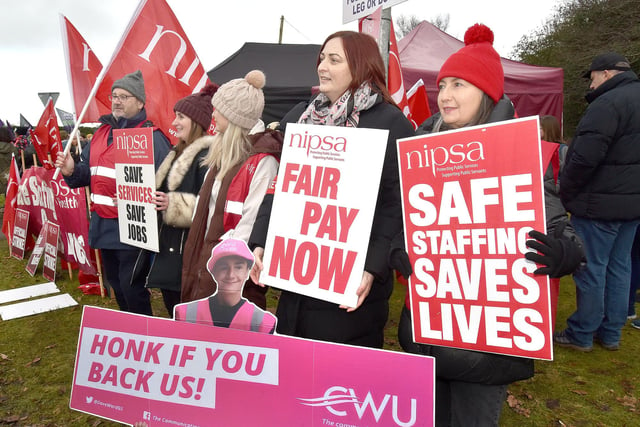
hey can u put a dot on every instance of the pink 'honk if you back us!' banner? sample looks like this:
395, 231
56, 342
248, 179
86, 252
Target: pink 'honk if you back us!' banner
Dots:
133, 368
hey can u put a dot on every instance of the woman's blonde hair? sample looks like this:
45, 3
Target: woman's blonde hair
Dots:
228, 149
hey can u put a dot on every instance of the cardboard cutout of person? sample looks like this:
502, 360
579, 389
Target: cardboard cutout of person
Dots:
229, 265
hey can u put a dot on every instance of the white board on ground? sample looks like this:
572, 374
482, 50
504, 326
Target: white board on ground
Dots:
28, 308
26, 292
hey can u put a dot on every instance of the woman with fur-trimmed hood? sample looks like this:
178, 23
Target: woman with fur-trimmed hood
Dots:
178, 181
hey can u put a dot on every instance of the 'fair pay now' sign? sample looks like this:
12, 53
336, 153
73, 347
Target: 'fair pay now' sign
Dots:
322, 211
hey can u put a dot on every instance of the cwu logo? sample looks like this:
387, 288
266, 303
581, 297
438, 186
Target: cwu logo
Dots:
342, 402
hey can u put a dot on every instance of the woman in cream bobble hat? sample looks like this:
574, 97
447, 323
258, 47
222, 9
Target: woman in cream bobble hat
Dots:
471, 386
241, 167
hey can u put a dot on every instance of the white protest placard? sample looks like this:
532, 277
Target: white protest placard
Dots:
136, 186
323, 207
356, 9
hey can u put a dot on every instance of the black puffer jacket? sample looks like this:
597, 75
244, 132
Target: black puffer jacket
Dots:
180, 178
601, 175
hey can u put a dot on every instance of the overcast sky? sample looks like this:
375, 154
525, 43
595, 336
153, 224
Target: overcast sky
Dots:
33, 57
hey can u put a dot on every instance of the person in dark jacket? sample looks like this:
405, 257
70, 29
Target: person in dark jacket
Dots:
352, 93
97, 168
178, 181
600, 186
471, 386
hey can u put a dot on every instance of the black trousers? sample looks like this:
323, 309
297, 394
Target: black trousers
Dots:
118, 267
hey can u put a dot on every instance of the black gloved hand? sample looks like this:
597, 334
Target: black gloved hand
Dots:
399, 258
558, 254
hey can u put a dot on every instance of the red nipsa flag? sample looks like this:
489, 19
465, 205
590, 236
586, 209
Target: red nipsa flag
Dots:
156, 44
46, 137
10, 200
83, 68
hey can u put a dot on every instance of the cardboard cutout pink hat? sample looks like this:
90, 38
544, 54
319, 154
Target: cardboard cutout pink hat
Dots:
229, 247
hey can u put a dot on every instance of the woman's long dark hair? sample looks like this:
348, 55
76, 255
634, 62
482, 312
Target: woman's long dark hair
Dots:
195, 132
365, 62
486, 107
551, 127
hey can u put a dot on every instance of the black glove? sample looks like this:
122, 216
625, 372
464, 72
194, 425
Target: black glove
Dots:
399, 258
558, 254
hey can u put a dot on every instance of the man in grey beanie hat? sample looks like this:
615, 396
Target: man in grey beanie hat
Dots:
97, 169
134, 83
127, 95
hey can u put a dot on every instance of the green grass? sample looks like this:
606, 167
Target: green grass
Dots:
37, 355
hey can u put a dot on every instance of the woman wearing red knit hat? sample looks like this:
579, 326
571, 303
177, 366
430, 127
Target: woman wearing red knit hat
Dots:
178, 181
471, 386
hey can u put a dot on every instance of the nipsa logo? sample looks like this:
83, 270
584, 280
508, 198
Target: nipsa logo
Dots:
327, 144
440, 157
132, 143
344, 402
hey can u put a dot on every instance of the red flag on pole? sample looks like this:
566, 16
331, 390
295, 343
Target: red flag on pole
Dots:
156, 44
395, 83
46, 137
83, 68
10, 200
371, 25
418, 103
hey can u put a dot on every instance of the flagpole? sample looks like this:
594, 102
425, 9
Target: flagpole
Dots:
383, 42
9, 237
103, 292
